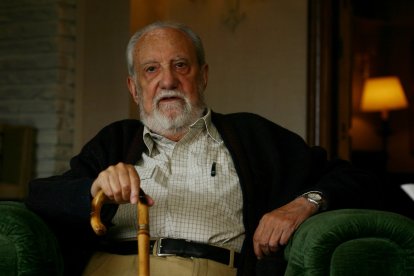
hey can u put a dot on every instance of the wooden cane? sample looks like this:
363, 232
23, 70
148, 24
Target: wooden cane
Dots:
96, 206
143, 236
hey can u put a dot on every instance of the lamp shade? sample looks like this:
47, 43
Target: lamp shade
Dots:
383, 94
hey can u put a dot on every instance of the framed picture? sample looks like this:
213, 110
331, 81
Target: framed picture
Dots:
16, 160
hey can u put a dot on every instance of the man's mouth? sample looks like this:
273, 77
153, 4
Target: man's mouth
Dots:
169, 99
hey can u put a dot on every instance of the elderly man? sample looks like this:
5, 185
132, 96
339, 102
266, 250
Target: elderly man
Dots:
226, 191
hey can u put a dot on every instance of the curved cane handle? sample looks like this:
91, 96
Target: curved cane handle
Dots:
96, 223
143, 236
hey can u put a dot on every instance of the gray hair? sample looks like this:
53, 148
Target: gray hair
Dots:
196, 40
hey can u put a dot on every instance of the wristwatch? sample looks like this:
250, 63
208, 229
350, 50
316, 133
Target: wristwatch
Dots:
316, 198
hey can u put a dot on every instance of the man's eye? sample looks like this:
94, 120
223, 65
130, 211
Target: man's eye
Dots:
150, 69
182, 67
180, 64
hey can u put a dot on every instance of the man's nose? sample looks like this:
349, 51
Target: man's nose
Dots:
168, 79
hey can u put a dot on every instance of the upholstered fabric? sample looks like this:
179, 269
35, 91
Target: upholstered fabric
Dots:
337, 243
27, 247
352, 242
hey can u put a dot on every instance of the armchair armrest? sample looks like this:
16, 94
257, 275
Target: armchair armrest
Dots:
352, 242
27, 246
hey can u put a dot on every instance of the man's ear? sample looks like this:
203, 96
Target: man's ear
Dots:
205, 75
132, 89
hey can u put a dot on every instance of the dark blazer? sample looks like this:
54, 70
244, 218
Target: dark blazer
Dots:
274, 166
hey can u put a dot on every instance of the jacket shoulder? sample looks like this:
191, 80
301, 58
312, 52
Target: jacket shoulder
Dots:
247, 120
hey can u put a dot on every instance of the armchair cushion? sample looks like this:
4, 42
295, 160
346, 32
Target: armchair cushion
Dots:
27, 247
352, 242
337, 243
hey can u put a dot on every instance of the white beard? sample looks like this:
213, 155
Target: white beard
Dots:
182, 113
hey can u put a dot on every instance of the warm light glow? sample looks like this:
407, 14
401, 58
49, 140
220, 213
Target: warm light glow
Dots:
383, 94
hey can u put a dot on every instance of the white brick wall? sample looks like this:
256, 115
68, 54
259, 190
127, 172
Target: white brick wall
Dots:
37, 63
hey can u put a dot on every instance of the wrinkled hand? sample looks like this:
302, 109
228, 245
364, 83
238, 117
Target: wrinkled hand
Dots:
276, 227
120, 183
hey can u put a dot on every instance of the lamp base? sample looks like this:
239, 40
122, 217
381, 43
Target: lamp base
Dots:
385, 133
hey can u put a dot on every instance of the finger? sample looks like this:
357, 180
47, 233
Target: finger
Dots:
284, 239
150, 201
123, 172
265, 248
259, 242
257, 250
274, 241
115, 186
134, 185
102, 183
95, 187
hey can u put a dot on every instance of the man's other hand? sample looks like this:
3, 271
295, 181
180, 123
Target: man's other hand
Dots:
276, 227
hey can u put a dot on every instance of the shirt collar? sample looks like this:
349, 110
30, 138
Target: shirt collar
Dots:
149, 137
203, 122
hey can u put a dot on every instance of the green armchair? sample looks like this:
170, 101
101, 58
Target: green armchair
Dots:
352, 242
27, 247
342, 242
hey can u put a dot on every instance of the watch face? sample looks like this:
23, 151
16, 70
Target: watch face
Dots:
315, 196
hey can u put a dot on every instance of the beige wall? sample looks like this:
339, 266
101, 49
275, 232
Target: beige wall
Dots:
102, 96
258, 66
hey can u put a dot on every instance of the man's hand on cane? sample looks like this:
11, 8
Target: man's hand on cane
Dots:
120, 184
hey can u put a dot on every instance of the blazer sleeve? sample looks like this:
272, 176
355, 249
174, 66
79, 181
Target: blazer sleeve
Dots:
66, 198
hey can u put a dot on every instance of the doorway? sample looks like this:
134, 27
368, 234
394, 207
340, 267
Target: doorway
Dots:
351, 41
383, 40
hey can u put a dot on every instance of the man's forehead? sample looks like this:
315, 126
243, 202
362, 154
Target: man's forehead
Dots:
156, 41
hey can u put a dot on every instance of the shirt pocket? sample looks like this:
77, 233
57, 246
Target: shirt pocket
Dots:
145, 174
152, 175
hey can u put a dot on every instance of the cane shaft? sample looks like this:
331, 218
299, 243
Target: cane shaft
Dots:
143, 238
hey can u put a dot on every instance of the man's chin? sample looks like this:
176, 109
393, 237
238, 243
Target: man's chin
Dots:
172, 120
171, 103
170, 113
168, 119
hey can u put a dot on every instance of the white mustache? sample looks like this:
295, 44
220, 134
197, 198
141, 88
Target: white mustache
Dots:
163, 94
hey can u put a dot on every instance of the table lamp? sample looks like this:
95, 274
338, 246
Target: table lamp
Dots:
383, 94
